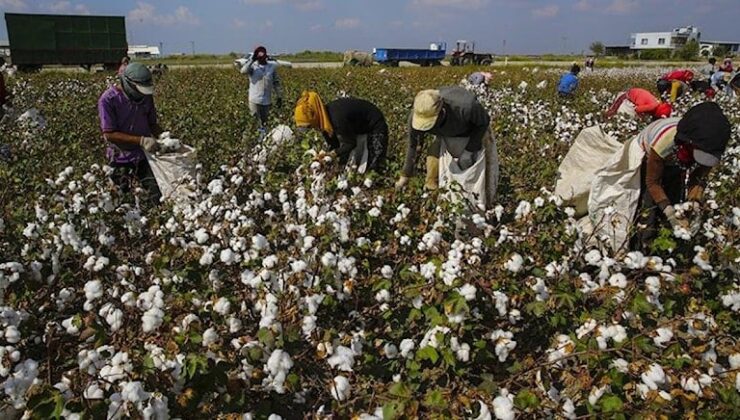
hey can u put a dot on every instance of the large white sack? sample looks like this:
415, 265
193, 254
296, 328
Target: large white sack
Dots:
174, 171
479, 182
615, 195
590, 151
627, 108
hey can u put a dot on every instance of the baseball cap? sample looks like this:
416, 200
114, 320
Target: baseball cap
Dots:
427, 105
139, 75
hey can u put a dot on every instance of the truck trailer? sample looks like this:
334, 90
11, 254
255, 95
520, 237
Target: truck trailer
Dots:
393, 56
37, 40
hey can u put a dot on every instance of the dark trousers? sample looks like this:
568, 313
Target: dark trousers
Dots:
648, 212
124, 175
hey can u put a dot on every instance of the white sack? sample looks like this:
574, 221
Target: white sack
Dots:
174, 171
627, 108
479, 182
591, 149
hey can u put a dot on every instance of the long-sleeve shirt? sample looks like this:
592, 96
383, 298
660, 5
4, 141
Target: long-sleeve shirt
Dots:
351, 117
568, 83
263, 79
464, 117
658, 142
645, 102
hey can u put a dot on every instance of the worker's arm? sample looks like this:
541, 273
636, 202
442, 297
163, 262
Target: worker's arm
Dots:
654, 179
247, 68
346, 145
480, 120
646, 107
122, 139
415, 139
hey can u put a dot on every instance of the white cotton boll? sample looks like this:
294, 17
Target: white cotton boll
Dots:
503, 406
12, 335
216, 187
69, 325
93, 392
596, 393
343, 359
329, 260
664, 335
298, 266
468, 291
407, 346
278, 366
227, 256
374, 212
732, 300
270, 262
383, 296
514, 264
308, 325
593, 257
390, 350
462, 351
541, 289
542, 85
503, 343
620, 365
569, 410
586, 328
201, 236
618, 280
386, 272
523, 210
654, 377
207, 258
340, 389
734, 360
210, 336
222, 306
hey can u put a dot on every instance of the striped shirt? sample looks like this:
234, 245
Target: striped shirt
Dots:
660, 136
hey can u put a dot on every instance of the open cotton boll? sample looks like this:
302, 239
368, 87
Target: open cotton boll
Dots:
278, 366
503, 406
343, 359
167, 145
340, 389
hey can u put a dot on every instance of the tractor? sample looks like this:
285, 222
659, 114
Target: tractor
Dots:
465, 55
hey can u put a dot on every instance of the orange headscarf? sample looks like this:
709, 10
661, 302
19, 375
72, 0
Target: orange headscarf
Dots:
311, 112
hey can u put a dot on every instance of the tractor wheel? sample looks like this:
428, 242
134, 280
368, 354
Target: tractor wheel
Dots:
467, 61
486, 62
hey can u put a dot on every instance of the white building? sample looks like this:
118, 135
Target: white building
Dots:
143, 51
664, 40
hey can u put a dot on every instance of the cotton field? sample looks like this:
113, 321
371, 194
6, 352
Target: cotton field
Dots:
289, 288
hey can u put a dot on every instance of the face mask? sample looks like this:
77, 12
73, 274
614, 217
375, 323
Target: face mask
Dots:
131, 92
685, 155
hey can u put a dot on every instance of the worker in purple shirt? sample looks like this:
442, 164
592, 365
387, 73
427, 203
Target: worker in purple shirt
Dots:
128, 120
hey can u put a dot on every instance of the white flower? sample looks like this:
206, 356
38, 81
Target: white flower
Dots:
340, 389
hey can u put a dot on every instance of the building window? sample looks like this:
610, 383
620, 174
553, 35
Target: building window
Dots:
643, 41
661, 41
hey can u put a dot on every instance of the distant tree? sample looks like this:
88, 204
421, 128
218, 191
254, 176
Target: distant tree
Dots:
689, 51
720, 51
597, 48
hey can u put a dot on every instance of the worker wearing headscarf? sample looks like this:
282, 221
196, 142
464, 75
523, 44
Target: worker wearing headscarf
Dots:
355, 128
673, 147
677, 81
642, 102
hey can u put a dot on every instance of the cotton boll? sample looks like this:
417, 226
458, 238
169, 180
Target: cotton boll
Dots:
664, 335
340, 389
514, 264
467, 291
343, 359
407, 346
503, 405
222, 306
210, 336
278, 366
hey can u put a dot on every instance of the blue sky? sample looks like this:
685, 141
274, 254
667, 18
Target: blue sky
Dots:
528, 26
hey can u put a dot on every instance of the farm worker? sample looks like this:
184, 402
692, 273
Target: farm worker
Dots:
590, 61
124, 62
480, 78
128, 120
352, 127
726, 65
263, 80
709, 69
569, 82
673, 146
642, 102
456, 118
735, 85
675, 81
4, 96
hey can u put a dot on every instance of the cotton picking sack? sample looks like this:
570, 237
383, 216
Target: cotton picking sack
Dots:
359, 155
615, 195
479, 182
173, 172
627, 108
586, 156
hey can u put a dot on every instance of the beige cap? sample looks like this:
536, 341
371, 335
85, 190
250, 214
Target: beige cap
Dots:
427, 105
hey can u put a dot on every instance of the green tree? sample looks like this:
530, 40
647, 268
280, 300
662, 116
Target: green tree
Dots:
597, 48
689, 51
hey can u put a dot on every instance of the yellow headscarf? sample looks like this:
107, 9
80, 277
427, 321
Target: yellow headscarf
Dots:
311, 112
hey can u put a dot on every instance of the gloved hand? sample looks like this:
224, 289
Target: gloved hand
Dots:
279, 102
402, 182
466, 160
670, 214
149, 144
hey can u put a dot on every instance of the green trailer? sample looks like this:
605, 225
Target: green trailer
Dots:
38, 40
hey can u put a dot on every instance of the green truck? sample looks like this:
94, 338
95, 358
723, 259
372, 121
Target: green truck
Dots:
38, 40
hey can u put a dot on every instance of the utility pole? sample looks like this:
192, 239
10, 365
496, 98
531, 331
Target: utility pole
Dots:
161, 49
192, 46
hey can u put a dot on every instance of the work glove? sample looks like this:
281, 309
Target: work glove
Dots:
466, 160
149, 144
676, 222
402, 182
279, 102
696, 193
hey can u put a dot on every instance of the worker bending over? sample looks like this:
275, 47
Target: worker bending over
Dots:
640, 102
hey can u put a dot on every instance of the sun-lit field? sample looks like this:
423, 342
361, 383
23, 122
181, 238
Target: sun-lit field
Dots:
290, 288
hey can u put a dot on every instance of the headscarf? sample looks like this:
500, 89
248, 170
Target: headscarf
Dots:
311, 112
260, 55
706, 128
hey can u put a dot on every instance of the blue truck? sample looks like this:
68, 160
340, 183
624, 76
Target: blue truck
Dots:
425, 58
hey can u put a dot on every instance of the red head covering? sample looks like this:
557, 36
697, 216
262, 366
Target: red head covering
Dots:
663, 110
260, 54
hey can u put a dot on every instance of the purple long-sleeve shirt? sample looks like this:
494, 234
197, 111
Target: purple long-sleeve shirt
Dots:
118, 113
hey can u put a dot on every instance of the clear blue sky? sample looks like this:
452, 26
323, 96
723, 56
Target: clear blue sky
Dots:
529, 26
